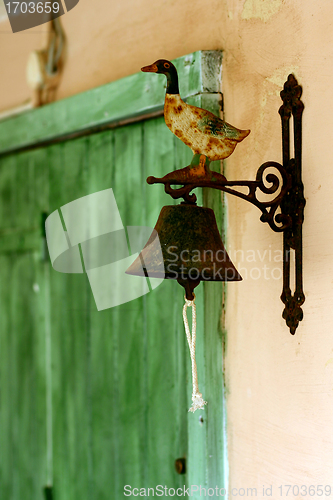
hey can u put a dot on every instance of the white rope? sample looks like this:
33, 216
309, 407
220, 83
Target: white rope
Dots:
198, 402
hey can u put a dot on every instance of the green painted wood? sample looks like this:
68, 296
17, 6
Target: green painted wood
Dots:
7, 194
20, 241
216, 444
110, 105
129, 321
69, 299
6, 367
24, 195
103, 367
27, 384
120, 379
22, 338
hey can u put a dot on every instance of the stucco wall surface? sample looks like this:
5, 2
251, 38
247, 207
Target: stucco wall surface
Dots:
279, 387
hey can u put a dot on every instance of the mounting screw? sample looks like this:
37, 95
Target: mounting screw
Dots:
180, 465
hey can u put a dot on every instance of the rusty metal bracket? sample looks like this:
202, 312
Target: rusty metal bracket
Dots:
217, 181
284, 213
293, 202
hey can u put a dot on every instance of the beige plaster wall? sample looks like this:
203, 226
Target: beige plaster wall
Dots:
279, 387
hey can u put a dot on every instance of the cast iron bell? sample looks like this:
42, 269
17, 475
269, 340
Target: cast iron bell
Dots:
192, 249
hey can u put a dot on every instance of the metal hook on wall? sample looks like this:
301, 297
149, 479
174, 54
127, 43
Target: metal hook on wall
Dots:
44, 68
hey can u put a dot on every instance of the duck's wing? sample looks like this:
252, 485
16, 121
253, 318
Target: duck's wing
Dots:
214, 126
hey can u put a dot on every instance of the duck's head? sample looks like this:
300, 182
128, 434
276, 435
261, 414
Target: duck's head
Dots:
161, 66
165, 68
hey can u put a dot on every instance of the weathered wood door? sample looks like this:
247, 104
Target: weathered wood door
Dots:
93, 401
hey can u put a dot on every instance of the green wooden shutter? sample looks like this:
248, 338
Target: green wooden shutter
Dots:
93, 401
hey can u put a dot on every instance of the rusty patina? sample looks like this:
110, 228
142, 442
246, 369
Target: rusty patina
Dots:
293, 203
198, 174
192, 249
205, 133
199, 129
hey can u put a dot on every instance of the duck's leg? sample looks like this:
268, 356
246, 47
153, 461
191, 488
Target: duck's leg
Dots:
199, 166
199, 170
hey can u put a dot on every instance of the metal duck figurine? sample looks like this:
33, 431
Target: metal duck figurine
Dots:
203, 132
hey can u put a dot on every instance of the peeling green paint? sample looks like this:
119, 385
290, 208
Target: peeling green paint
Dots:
328, 362
280, 74
260, 9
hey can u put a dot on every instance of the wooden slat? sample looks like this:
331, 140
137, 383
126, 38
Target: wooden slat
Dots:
213, 299
22, 337
28, 422
128, 99
69, 298
24, 196
7, 363
129, 323
103, 372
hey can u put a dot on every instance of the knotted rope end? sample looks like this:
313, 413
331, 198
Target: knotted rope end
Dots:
198, 402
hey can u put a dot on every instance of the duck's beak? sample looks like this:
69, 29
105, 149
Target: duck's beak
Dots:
150, 69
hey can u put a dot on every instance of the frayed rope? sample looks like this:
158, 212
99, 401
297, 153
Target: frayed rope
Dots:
198, 402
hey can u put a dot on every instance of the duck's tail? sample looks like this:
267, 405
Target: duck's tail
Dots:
242, 134
233, 133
